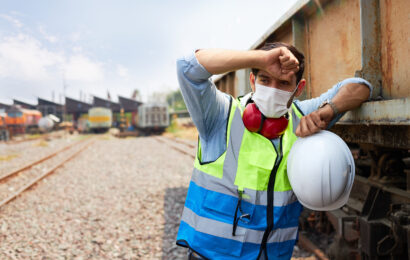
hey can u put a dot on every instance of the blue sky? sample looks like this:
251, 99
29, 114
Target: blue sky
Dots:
116, 46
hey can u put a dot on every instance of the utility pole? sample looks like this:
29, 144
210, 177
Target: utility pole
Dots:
64, 88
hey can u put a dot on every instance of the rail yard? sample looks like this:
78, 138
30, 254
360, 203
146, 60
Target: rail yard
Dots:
100, 179
106, 203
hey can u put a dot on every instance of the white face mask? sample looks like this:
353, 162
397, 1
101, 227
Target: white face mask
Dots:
272, 102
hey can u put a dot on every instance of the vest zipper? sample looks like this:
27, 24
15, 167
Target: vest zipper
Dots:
269, 206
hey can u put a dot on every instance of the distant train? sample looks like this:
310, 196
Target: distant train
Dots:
4, 132
20, 120
152, 118
99, 119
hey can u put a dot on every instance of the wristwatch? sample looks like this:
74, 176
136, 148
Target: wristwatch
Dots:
332, 105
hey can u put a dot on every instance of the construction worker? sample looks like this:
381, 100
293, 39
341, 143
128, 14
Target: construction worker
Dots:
240, 204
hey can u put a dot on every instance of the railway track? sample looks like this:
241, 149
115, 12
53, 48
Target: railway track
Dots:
190, 150
178, 145
15, 182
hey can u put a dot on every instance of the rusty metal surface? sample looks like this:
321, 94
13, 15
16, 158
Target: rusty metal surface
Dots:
370, 44
398, 196
340, 38
285, 37
300, 42
389, 112
308, 245
394, 136
334, 48
395, 47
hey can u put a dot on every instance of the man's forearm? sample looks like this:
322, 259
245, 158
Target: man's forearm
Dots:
218, 61
351, 96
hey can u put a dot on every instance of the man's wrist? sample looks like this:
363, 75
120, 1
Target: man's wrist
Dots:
330, 104
327, 111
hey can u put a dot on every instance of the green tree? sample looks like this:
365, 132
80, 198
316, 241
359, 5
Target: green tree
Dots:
175, 100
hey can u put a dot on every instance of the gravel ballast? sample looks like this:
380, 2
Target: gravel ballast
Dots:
119, 199
114, 201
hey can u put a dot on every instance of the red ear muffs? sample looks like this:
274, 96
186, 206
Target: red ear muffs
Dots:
255, 121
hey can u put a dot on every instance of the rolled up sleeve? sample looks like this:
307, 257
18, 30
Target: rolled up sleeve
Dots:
207, 105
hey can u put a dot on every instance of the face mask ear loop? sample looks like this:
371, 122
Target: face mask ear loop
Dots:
249, 101
292, 96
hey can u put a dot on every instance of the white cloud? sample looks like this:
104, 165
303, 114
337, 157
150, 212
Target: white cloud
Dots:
77, 49
12, 20
122, 71
75, 37
23, 57
81, 68
48, 37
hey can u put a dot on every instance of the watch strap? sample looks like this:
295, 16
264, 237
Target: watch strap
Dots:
332, 105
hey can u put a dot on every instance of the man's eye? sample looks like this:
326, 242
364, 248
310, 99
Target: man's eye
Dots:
285, 83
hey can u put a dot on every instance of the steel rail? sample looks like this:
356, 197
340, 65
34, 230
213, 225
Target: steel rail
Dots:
45, 174
174, 147
180, 142
6, 176
25, 139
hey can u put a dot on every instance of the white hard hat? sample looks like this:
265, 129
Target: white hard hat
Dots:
321, 171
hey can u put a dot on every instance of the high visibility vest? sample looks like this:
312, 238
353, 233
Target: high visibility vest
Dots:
241, 206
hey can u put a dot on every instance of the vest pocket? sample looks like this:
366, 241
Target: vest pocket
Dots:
218, 216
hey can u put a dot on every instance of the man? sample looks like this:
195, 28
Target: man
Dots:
240, 204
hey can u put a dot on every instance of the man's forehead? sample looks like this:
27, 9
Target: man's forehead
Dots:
265, 74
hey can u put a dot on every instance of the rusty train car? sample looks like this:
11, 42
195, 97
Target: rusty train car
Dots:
4, 132
20, 120
370, 39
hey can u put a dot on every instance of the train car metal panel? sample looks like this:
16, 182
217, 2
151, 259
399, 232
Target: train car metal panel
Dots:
21, 120
153, 115
395, 47
334, 44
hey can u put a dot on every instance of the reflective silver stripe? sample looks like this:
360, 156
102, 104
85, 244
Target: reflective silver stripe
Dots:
224, 230
295, 121
209, 182
232, 150
212, 227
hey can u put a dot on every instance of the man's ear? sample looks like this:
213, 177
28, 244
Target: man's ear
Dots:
301, 86
252, 81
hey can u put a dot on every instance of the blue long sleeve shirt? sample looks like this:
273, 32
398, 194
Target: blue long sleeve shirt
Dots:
209, 107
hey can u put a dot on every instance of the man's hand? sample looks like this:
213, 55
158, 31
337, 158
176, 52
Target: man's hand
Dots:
280, 63
315, 121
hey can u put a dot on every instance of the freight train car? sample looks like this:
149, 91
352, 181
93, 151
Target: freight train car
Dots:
20, 120
370, 39
4, 132
99, 119
152, 118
